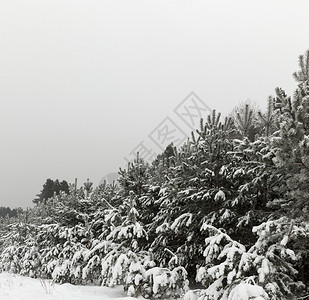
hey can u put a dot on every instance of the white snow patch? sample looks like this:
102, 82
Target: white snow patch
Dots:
14, 287
220, 196
284, 240
246, 291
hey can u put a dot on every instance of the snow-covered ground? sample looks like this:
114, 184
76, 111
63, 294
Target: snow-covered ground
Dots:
15, 287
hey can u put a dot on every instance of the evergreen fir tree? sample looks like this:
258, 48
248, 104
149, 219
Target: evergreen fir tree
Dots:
292, 156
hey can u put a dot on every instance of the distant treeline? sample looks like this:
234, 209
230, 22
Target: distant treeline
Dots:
6, 211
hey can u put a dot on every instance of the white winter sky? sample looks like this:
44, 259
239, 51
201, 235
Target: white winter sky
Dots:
83, 82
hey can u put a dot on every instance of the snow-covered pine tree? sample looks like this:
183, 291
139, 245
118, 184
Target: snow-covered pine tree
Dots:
99, 229
292, 150
19, 252
267, 119
124, 233
246, 121
198, 188
256, 178
265, 270
48, 246
134, 177
292, 155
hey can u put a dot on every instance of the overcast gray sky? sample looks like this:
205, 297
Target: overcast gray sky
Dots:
82, 83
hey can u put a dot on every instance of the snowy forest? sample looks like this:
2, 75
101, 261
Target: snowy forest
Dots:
225, 216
